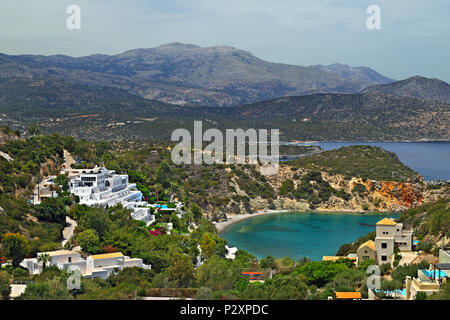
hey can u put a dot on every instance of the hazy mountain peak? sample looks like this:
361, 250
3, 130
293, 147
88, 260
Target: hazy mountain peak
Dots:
416, 87
178, 46
182, 73
355, 73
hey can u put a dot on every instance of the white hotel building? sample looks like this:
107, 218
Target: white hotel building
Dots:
102, 187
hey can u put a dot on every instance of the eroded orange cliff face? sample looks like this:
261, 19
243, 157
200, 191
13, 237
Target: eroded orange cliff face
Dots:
404, 194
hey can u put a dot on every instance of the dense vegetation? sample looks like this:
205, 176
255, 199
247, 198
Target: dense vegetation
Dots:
359, 161
429, 219
310, 187
26, 229
107, 113
348, 248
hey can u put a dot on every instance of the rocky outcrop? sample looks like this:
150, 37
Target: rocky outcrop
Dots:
435, 192
398, 193
380, 195
375, 196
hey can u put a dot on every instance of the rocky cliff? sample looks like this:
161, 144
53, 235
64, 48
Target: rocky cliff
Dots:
380, 195
341, 194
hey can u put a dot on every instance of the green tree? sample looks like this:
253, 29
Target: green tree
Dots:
176, 221
286, 187
89, 241
242, 284
401, 272
363, 265
421, 296
285, 264
136, 176
5, 285
196, 212
267, 262
321, 272
101, 148
207, 245
96, 220
63, 181
425, 246
34, 130
15, 247
359, 188
181, 271
288, 287
217, 274
51, 210
44, 258
163, 174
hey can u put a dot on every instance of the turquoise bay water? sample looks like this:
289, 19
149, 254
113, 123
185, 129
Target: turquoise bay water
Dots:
315, 235
296, 235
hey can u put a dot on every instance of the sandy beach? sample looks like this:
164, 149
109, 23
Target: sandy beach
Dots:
239, 217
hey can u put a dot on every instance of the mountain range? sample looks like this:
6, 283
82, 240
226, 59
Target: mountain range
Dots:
93, 112
151, 92
186, 74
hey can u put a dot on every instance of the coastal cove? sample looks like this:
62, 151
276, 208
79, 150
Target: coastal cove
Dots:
299, 234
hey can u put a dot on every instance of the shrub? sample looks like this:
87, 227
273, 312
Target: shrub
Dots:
359, 188
421, 296
425, 246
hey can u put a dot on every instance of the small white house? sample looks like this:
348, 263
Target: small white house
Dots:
102, 265
59, 258
95, 266
231, 254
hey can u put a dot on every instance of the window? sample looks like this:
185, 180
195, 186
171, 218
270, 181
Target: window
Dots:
383, 258
384, 245
70, 259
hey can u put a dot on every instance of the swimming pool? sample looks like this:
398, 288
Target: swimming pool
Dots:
161, 206
436, 274
388, 292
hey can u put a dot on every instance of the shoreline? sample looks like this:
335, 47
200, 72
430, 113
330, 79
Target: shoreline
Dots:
232, 219
221, 226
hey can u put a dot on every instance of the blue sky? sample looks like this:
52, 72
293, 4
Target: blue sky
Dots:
414, 36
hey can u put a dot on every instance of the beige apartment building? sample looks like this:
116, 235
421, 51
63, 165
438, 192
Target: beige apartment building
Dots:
389, 235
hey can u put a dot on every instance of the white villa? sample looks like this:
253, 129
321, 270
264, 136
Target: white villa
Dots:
102, 187
95, 266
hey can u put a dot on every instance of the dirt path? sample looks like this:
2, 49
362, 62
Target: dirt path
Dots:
68, 231
407, 258
68, 160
